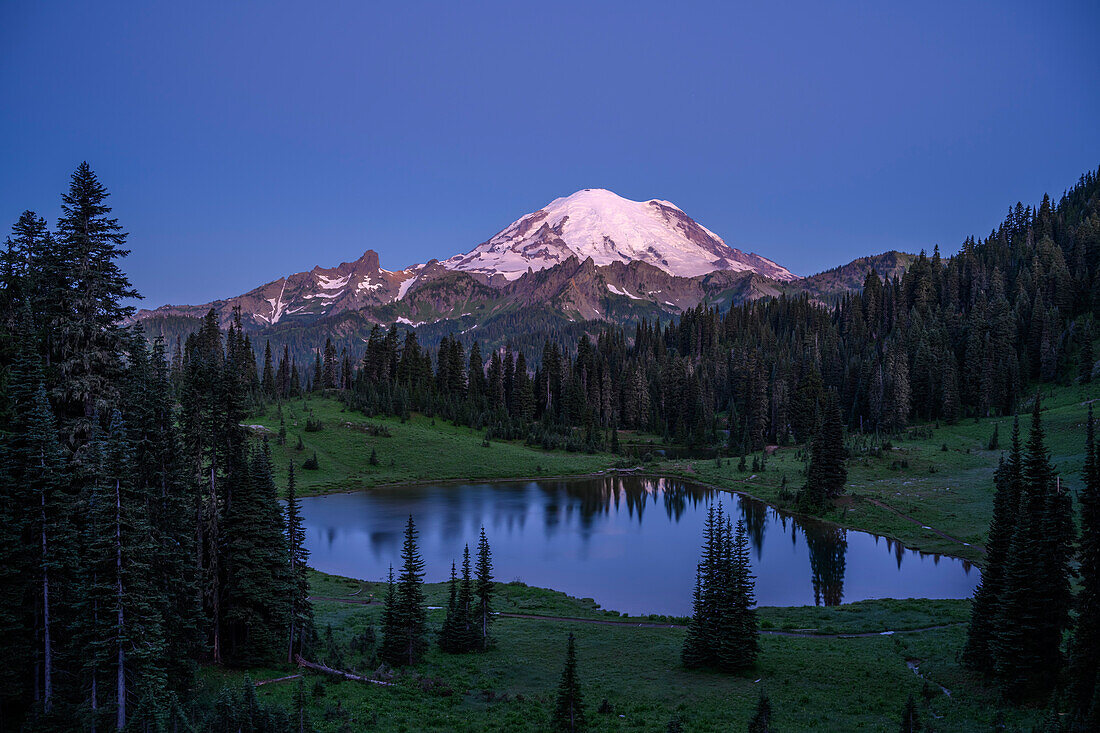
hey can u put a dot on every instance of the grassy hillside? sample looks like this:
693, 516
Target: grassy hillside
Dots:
817, 682
421, 449
916, 491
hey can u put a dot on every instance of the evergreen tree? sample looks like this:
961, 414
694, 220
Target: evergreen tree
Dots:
409, 617
1034, 610
988, 596
450, 634
910, 719
483, 613
391, 633
738, 643
1085, 646
697, 649
468, 636
86, 339
267, 383
761, 721
257, 567
569, 705
301, 610
827, 474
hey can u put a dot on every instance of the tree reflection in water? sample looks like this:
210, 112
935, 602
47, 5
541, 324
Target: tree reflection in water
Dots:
828, 546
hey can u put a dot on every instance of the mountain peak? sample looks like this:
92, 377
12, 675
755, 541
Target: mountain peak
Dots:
600, 224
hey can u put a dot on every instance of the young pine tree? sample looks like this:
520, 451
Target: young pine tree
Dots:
483, 613
449, 633
409, 615
568, 714
910, 718
698, 649
761, 721
739, 642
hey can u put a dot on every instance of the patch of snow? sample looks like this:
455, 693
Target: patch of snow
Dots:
366, 284
326, 296
278, 307
332, 283
624, 291
405, 285
407, 322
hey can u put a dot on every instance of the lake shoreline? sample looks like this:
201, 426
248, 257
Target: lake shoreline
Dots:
642, 473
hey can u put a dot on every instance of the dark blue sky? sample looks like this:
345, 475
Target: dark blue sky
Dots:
243, 141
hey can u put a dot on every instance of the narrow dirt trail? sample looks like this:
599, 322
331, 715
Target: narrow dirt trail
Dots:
922, 525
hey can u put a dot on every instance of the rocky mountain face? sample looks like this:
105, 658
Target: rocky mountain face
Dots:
592, 256
581, 253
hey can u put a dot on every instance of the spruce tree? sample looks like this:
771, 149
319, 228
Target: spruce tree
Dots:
739, 642
761, 721
409, 619
988, 596
1085, 646
910, 719
483, 613
826, 474
449, 634
569, 706
257, 568
87, 338
698, 649
301, 610
467, 639
391, 634
1034, 610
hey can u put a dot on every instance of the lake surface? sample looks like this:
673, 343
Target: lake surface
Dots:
630, 543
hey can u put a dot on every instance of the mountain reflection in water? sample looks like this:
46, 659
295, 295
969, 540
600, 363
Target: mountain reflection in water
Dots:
631, 543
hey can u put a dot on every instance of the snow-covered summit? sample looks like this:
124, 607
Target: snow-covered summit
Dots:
600, 224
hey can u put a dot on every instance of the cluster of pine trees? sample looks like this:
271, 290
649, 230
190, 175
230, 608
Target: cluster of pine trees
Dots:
1024, 606
723, 633
141, 528
469, 605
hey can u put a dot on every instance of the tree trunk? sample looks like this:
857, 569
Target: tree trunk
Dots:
47, 644
216, 595
121, 720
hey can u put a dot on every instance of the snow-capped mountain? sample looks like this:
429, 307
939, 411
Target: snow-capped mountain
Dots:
599, 224
590, 256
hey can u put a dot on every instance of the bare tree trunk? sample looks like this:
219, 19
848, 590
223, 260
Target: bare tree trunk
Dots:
95, 695
214, 571
121, 720
293, 604
47, 644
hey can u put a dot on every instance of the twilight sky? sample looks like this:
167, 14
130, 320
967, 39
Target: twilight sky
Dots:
247, 140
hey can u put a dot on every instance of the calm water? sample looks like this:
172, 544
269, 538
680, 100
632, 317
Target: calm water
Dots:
630, 543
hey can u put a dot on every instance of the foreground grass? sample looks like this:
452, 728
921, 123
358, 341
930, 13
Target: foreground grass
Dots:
823, 683
939, 492
420, 449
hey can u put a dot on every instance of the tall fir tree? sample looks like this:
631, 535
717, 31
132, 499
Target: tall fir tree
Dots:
568, 714
301, 610
1085, 647
483, 613
761, 721
827, 473
985, 611
409, 621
